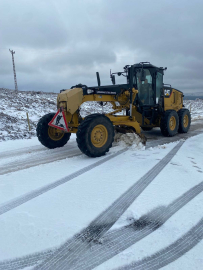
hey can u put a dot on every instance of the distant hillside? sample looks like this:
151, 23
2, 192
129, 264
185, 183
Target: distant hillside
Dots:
192, 97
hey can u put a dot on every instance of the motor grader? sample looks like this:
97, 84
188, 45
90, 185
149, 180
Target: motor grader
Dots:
146, 102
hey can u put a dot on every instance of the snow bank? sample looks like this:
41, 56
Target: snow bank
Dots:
128, 139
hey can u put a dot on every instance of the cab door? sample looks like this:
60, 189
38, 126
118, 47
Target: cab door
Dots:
159, 86
145, 88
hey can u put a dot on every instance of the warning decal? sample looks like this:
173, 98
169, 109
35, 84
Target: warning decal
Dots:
59, 121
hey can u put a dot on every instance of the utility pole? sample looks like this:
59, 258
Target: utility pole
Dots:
14, 71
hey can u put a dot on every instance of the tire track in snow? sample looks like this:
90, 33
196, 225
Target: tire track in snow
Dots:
31, 195
171, 253
118, 240
22, 151
67, 255
25, 261
115, 241
33, 150
43, 158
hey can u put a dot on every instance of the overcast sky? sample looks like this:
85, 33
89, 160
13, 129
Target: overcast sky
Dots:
60, 43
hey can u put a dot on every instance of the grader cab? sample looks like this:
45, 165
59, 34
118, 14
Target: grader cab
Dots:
146, 101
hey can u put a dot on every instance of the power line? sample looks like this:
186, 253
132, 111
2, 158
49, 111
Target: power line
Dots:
14, 71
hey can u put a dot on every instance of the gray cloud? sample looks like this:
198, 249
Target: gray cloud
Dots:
61, 43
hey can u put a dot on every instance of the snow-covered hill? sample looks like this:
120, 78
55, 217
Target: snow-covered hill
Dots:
14, 106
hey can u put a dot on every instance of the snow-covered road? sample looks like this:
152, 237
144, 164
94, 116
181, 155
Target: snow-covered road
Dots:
27, 157
141, 201
66, 256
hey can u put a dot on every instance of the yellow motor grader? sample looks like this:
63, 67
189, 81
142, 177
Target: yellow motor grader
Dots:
146, 101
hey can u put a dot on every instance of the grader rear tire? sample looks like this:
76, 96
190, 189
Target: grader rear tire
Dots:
169, 123
95, 135
49, 136
184, 120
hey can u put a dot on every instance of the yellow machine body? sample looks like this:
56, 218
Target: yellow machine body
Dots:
174, 101
71, 100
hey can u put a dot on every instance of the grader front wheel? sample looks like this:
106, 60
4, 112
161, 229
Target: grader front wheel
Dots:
49, 136
95, 135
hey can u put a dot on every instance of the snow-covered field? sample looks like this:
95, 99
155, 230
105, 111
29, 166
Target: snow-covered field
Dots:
14, 106
134, 208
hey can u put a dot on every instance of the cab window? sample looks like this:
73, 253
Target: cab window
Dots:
145, 92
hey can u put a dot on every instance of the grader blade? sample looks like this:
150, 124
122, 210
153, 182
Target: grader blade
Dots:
143, 138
